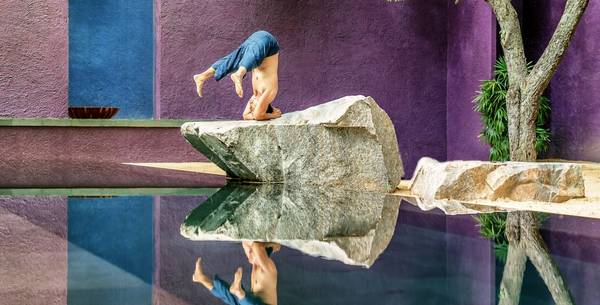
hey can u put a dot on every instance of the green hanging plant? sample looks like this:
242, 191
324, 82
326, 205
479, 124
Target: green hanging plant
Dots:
491, 104
493, 225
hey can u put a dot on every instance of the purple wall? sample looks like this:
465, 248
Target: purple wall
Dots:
33, 58
91, 157
574, 90
394, 52
471, 55
99, 144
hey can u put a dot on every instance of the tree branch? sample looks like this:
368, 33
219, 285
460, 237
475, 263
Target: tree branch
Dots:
544, 69
537, 251
512, 277
511, 40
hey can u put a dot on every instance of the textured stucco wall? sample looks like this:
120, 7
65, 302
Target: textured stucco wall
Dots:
394, 52
574, 90
99, 144
91, 157
111, 49
471, 55
33, 58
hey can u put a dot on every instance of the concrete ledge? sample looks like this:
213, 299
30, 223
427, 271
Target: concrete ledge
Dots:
90, 123
108, 191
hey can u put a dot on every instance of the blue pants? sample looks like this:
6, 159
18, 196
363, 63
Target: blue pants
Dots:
249, 55
221, 291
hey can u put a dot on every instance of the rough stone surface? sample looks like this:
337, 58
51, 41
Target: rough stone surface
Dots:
349, 142
517, 181
348, 226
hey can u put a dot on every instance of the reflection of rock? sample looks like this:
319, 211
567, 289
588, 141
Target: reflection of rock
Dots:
349, 226
517, 181
349, 142
451, 207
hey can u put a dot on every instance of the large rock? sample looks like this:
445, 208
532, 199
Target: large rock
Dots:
349, 226
516, 181
348, 143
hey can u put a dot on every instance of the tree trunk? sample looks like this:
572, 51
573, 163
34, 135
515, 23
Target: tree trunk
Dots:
538, 254
512, 277
525, 241
525, 90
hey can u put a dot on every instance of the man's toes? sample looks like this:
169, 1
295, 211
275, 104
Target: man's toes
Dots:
199, 265
199, 89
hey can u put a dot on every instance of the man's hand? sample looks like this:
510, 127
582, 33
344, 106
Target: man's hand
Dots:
275, 247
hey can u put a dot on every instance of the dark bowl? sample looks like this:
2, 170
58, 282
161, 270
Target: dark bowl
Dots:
92, 112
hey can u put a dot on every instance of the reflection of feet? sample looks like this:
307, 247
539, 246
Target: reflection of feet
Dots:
236, 285
199, 79
237, 81
199, 276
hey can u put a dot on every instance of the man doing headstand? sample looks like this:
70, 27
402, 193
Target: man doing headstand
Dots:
259, 53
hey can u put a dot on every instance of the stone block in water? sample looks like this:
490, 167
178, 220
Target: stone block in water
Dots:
516, 181
348, 143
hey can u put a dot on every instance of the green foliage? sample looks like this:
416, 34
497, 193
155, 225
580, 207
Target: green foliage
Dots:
491, 103
492, 226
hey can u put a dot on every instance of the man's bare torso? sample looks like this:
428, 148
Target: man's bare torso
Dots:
264, 77
264, 283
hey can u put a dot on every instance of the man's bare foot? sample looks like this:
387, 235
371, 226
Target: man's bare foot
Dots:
237, 81
199, 276
236, 285
200, 79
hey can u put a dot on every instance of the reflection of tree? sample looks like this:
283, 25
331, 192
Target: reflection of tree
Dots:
525, 241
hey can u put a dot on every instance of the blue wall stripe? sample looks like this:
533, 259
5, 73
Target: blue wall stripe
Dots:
111, 55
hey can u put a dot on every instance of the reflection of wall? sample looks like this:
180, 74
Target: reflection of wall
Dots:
395, 52
176, 256
575, 245
111, 250
111, 63
33, 58
33, 250
470, 262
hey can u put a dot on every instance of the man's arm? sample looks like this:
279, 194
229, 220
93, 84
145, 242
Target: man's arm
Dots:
258, 249
248, 111
260, 111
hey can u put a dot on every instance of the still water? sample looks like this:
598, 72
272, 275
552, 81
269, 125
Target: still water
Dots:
337, 247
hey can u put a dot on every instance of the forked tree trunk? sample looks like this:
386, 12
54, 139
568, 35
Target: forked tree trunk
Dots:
525, 89
525, 241
522, 102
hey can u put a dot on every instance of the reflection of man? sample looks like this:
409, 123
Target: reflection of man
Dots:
263, 279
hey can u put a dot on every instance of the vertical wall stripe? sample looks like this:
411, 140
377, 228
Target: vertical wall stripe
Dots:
111, 63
